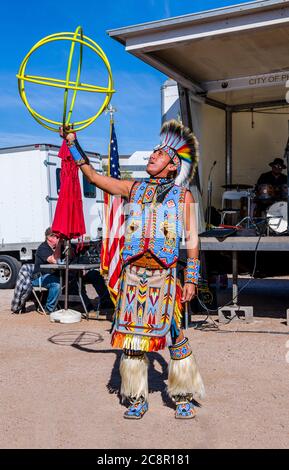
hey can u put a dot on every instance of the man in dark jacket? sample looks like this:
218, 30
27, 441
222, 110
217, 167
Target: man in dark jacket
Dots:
48, 253
275, 177
271, 187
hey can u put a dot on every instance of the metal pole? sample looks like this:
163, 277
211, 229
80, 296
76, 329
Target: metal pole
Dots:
235, 277
187, 120
209, 203
67, 249
209, 198
248, 209
229, 132
186, 316
286, 158
287, 155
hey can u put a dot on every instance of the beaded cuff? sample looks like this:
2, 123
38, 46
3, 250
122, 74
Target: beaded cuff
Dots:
77, 153
131, 353
81, 162
180, 350
192, 271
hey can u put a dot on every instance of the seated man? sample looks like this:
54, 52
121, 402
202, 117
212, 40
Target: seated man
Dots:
275, 177
48, 253
271, 186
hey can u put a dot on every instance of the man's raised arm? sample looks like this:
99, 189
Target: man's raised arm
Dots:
106, 183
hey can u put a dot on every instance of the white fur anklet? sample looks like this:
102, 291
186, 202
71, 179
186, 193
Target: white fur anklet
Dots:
184, 377
134, 376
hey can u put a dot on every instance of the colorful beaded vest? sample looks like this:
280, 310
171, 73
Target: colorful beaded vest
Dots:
154, 220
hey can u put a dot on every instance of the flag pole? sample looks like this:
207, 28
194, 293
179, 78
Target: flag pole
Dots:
104, 267
113, 243
111, 110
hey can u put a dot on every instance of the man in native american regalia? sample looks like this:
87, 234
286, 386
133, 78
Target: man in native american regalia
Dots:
149, 304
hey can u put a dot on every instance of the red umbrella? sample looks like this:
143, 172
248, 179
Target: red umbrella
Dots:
68, 219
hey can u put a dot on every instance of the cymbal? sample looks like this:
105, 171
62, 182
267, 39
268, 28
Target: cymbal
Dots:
237, 186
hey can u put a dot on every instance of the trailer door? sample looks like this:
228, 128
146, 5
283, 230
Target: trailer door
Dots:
53, 163
92, 197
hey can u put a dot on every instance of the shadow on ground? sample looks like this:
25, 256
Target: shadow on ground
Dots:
86, 341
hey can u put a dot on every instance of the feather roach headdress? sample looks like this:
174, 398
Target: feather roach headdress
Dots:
182, 146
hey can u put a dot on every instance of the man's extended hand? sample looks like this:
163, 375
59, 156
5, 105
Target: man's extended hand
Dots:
189, 292
111, 185
65, 133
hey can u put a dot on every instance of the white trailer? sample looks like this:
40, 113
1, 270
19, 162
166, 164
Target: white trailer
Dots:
29, 187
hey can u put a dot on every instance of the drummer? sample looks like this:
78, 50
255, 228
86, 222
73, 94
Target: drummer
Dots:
271, 187
275, 177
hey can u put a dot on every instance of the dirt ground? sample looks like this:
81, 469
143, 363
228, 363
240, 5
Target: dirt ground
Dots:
58, 385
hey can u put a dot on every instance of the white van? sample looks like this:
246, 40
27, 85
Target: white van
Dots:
29, 186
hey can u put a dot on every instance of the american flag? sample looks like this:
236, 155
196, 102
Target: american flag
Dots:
114, 224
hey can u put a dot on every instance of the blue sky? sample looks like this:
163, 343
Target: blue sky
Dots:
137, 85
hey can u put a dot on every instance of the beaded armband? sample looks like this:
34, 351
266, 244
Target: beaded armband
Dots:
131, 353
81, 162
77, 153
192, 271
180, 350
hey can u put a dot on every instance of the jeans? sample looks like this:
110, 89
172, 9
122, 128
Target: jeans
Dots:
52, 283
95, 278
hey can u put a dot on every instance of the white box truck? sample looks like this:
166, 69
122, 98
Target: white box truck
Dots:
29, 187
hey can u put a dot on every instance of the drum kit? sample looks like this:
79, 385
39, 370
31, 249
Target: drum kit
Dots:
266, 201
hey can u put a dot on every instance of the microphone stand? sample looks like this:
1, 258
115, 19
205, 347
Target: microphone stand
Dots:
209, 197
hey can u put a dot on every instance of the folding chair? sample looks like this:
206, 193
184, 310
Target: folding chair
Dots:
37, 292
231, 196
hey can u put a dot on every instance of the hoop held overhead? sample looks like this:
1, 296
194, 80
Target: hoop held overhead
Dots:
67, 84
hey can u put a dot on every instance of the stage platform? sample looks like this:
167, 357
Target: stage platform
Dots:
234, 246
238, 243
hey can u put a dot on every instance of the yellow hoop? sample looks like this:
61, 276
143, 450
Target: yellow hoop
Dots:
67, 84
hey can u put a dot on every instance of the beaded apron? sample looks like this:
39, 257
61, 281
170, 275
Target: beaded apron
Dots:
148, 310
